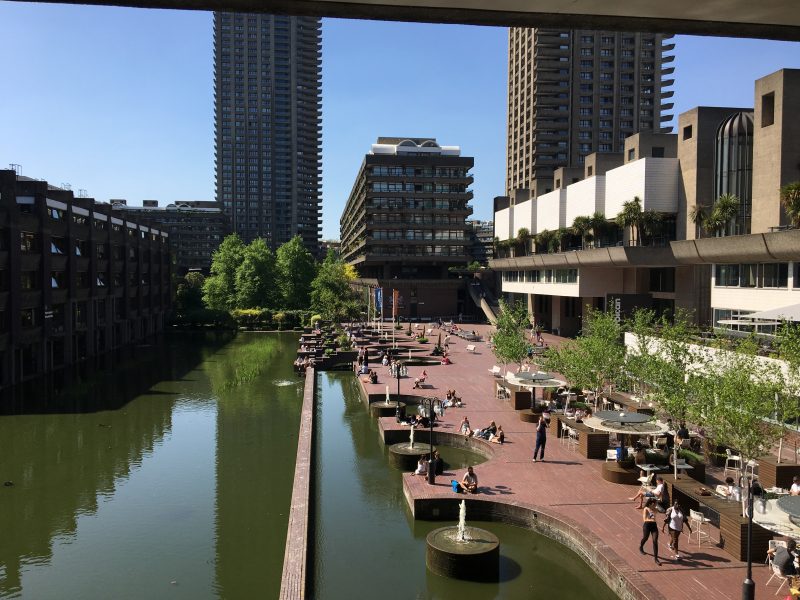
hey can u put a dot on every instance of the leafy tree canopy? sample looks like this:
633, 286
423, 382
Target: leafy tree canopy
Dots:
510, 344
296, 270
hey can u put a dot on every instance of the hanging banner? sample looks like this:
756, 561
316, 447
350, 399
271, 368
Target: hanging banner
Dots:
395, 302
379, 300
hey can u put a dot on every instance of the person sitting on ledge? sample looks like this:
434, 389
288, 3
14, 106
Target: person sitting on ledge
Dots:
499, 437
438, 463
422, 467
465, 427
486, 431
446, 360
469, 484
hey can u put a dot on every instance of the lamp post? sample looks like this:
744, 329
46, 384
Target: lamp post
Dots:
431, 466
748, 585
397, 400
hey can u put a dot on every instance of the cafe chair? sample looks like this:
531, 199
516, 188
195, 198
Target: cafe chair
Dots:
697, 520
776, 573
611, 455
732, 463
573, 439
564, 439
773, 546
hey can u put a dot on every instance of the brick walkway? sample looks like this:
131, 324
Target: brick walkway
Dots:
566, 483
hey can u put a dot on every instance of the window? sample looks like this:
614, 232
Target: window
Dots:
58, 246
631, 154
662, 280
775, 275
687, 132
726, 275
657, 152
28, 317
587, 39
27, 241
767, 109
58, 280
28, 281
589, 170
605, 147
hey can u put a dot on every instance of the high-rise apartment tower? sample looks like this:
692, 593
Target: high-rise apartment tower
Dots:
267, 72
572, 93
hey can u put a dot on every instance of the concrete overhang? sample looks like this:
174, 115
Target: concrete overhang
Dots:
757, 247
772, 19
613, 256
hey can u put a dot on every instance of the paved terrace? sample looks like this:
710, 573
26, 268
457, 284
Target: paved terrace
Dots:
565, 485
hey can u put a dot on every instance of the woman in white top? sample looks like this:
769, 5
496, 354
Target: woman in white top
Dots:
675, 519
422, 467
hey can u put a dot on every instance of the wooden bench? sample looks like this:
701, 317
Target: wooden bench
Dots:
470, 348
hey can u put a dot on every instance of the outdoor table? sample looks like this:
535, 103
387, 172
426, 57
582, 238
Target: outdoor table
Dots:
790, 505
777, 490
776, 521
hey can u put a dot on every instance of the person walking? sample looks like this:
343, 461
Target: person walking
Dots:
649, 527
675, 518
541, 439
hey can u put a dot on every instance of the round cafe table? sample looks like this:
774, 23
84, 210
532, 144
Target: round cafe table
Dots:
790, 505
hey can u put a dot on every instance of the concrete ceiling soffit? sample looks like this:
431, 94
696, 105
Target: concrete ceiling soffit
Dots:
773, 19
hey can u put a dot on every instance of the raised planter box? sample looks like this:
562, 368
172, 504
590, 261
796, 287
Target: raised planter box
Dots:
615, 473
772, 474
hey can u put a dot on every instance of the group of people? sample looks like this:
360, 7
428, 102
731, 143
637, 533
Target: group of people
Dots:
301, 364
491, 433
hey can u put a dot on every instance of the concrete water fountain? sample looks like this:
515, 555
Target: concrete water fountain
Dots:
463, 552
406, 455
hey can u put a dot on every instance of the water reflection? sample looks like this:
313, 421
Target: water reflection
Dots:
143, 481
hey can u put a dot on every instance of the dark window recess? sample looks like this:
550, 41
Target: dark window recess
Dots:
657, 152
687, 132
662, 280
767, 109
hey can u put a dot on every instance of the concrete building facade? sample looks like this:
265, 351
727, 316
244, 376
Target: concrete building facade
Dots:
195, 227
75, 280
404, 224
721, 274
267, 73
572, 93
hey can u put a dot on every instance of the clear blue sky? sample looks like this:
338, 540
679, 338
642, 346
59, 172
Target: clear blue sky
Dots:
120, 101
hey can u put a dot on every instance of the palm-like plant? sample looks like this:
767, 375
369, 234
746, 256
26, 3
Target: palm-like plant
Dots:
790, 198
523, 235
581, 226
598, 224
547, 240
650, 224
725, 210
631, 216
698, 214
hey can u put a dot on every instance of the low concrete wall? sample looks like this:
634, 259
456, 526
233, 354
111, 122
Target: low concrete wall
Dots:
294, 584
625, 581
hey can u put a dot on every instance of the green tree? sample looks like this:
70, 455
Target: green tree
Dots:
598, 225
790, 198
189, 293
219, 290
296, 270
737, 400
331, 294
650, 225
721, 219
510, 343
255, 277
698, 215
631, 217
595, 358
581, 226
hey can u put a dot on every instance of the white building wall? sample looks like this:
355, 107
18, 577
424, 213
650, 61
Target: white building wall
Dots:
551, 210
502, 224
586, 197
592, 282
524, 216
653, 180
